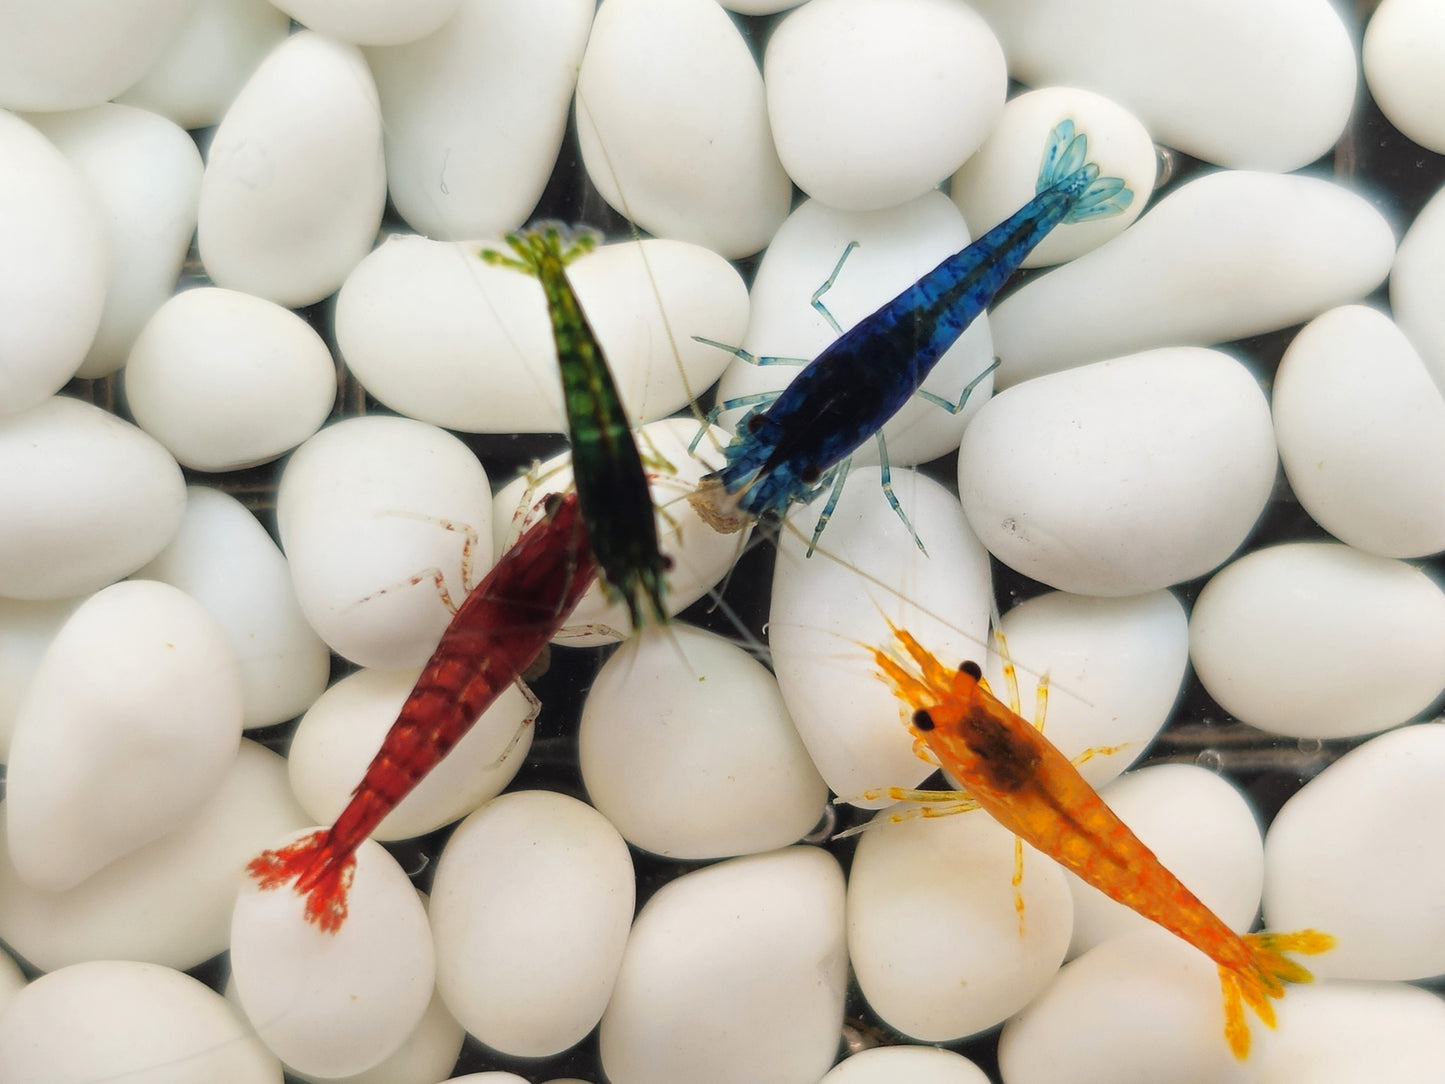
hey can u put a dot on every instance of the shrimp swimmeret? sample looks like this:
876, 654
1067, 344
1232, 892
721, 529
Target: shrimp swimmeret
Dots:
1020, 779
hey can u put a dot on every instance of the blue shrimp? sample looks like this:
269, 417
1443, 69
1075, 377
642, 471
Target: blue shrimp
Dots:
796, 448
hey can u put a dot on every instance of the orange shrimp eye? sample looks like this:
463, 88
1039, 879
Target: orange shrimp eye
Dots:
922, 720
970, 668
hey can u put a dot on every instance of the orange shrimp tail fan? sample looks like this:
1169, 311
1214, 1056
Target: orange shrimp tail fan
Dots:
1263, 978
319, 875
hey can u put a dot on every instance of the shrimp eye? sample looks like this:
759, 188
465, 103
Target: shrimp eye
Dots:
922, 720
667, 562
754, 422
971, 669
810, 474
550, 504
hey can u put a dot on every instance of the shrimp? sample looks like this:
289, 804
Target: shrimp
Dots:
1020, 779
498, 632
792, 450
611, 485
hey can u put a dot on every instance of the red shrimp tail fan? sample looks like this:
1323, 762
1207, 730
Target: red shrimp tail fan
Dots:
320, 874
1269, 969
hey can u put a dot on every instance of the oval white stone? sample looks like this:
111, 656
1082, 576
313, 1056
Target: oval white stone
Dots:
132, 719
686, 746
873, 102
965, 960
673, 125
1282, 636
295, 182
1123, 476
892, 1064
428, 1053
1417, 281
530, 910
1289, 247
226, 380
1361, 431
689, 984
1404, 58
1355, 854
26, 629
371, 22
1003, 175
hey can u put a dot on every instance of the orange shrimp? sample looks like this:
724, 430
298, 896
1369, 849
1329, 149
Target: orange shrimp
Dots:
1017, 776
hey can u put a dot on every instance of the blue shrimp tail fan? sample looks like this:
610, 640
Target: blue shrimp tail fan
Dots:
1066, 166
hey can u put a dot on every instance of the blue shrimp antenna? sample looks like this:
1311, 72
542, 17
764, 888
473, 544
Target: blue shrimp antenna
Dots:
1066, 165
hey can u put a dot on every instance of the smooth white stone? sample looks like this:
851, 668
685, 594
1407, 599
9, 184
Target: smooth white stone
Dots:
686, 746
295, 181
132, 719
79, 54
966, 960
895, 1064
1417, 281
1114, 665
828, 610
116, 1019
438, 335
429, 1053
475, 112
1346, 1032
874, 102
895, 248
1226, 256
1404, 59
754, 7
224, 559
362, 509
1201, 829
226, 380
497, 1077
26, 629
1282, 636
1253, 84
752, 947
1123, 476
371, 22
700, 556
146, 173
530, 911
673, 125
170, 901
1361, 431
1003, 175
343, 730
1143, 1007
12, 981
334, 1004
1355, 853
208, 60
53, 268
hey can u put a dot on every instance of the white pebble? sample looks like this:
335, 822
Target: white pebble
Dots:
873, 102
371, 22
1201, 829
1123, 476
429, 1052
12, 981
362, 509
116, 1019
1361, 431
132, 719
895, 248
1143, 1007
333, 1004
1254, 84
342, 731
438, 335
226, 380
1115, 667
147, 174
733, 972
53, 268
937, 945
476, 110
1282, 636
26, 629
497, 1077
1289, 247
895, 1064
1355, 853
829, 609
295, 182
1404, 58
208, 60
673, 125
170, 901
686, 746
1003, 175
530, 910
1416, 283
224, 559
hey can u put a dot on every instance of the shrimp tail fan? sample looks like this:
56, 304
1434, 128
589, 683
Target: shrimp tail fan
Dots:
1066, 163
319, 876
1264, 978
